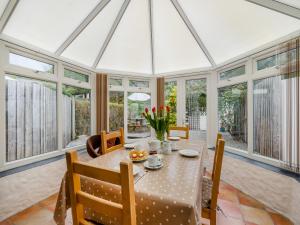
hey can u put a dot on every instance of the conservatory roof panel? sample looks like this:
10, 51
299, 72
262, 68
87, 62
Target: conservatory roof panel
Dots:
48, 23
149, 36
174, 46
233, 27
130, 46
86, 46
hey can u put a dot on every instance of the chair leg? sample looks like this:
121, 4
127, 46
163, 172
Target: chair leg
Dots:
213, 217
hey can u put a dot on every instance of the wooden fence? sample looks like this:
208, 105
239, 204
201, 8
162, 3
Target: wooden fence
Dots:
31, 118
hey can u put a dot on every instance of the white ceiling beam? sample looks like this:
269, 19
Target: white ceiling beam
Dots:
193, 31
101, 5
11, 5
151, 35
278, 7
111, 32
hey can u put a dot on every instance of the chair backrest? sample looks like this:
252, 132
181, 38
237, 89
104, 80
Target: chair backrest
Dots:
219, 136
113, 135
93, 145
124, 178
186, 129
217, 174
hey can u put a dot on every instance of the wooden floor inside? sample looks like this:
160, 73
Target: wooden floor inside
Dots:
238, 208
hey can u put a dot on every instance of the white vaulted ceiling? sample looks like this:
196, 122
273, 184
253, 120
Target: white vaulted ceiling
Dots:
147, 36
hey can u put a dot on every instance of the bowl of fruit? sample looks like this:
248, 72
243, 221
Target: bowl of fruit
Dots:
138, 156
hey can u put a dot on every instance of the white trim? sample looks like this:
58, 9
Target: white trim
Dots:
37, 158
9, 9
150, 5
3, 61
126, 89
278, 7
101, 5
58, 79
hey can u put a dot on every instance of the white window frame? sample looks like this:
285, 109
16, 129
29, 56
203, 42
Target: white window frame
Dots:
125, 89
58, 78
251, 75
181, 102
74, 82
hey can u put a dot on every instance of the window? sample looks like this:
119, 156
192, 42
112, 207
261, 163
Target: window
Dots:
276, 116
171, 100
116, 110
232, 109
76, 75
276, 60
195, 105
77, 112
136, 123
33, 64
115, 82
139, 83
233, 73
31, 117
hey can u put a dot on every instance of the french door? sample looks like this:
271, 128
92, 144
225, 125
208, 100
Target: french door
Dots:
187, 99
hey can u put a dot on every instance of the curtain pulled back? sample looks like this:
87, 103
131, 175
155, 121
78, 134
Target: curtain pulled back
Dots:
101, 102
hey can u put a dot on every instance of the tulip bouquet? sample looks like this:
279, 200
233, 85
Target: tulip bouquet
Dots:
159, 120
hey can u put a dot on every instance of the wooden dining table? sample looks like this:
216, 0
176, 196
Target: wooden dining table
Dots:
170, 195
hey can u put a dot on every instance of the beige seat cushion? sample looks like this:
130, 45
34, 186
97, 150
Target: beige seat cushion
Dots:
207, 185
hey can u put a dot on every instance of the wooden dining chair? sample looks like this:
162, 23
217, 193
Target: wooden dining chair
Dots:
115, 135
186, 129
219, 137
210, 188
126, 211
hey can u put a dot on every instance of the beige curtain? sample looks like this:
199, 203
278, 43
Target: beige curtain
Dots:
101, 102
290, 71
160, 91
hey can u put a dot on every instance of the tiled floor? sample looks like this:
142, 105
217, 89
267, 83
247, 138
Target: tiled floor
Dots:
238, 208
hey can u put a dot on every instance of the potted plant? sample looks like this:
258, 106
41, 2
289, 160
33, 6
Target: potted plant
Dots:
159, 121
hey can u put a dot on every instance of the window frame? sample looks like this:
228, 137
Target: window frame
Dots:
74, 81
125, 88
58, 78
233, 66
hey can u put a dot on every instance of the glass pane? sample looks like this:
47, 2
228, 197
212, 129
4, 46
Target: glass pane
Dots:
76, 76
274, 60
139, 83
77, 115
233, 73
137, 124
232, 108
115, 82
31, 117
195, 108
116, 110
267, 116
33, 64
171, 99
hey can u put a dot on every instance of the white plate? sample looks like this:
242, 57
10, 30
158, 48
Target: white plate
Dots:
189, 153
135, 169
174, 138
146, 164
129, 146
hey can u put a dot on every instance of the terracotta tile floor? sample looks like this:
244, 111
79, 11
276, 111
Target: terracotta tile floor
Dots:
239, 209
